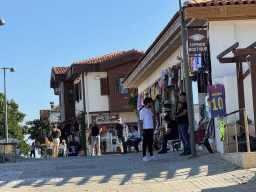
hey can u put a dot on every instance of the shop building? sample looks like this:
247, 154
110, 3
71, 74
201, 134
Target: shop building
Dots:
94, 87
159, 73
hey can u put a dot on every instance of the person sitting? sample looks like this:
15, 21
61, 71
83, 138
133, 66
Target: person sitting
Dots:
171, 133
133, 140
63, 146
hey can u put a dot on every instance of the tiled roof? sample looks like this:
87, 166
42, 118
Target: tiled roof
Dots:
59, 70
202, 3
43, 112
107, 57
56, 108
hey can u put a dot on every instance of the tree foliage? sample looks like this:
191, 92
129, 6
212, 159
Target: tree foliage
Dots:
14, 117
24, 147
132, 102
34, 128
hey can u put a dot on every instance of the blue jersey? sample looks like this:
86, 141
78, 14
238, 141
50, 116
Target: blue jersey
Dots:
217, 99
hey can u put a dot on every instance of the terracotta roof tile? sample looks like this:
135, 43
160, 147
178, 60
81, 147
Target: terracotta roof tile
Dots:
202, 3
55, 108
107, 57
59, 70
43, 112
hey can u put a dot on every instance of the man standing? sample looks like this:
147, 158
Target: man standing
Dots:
119, 133
95, 130
147, 125
183, 125
32, 150
171, 133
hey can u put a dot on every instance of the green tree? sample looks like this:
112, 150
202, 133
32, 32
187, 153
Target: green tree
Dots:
132, 102
24, 147
34, 129
14, 118
82, 134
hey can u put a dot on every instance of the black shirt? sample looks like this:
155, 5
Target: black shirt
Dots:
55, 134
174, 126
95, 130
184, 118
119, 128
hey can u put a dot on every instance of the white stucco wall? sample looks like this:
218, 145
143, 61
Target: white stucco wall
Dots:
96, 101
222, 35
172, 60
55, 116
79, 105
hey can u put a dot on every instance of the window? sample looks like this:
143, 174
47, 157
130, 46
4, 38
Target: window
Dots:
104, 86
122, 90
70, 95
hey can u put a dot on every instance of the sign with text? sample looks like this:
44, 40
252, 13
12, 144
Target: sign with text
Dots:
197, 41
106, 117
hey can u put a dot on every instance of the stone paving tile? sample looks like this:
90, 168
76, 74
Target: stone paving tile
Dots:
208, 172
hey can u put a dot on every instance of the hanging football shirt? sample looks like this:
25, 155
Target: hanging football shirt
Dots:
198, 61
217, 99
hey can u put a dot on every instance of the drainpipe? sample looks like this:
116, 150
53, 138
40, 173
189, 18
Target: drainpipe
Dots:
86, 106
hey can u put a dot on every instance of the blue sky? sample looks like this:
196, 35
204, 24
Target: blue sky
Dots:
42, 34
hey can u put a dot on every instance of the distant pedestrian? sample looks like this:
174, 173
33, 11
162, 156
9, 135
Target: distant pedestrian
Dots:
147, 126
32, 150
183, 126
95, 129
120, 134
133, 140
56, 140
171, 133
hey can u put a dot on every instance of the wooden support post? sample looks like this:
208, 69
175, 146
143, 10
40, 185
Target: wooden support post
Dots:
240, 90
253, 76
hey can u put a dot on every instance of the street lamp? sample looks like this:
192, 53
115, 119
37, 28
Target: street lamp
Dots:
2, 22
5, 104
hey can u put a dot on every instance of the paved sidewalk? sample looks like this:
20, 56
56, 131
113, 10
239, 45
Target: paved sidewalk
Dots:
208, 172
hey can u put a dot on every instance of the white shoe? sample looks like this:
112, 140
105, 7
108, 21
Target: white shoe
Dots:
99, 154
145, 159
153, 158
93, 154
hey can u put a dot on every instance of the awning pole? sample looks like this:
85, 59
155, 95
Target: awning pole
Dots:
188, 83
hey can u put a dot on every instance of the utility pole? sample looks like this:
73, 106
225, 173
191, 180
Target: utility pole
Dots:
188, 83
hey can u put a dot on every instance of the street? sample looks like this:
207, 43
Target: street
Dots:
207, 172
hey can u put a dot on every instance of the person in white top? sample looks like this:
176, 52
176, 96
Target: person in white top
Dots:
147, 128
133, 140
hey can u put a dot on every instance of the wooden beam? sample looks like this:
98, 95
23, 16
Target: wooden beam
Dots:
223, 12
252, 45
253, 76
240, 91
244, 52
228, 50
230, 60
246, 74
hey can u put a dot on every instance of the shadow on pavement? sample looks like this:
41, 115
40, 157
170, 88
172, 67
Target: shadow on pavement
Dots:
123, 169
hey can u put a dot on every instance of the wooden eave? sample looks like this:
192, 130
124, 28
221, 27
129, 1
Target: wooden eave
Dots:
76, 69
169, 42
222, 12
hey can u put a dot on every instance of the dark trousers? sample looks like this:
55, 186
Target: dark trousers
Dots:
167, 137
148, 139
135, 143
32, 152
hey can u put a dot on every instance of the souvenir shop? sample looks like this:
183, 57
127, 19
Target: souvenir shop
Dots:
166, 89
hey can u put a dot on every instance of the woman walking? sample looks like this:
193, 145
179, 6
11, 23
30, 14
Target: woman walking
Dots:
56, 140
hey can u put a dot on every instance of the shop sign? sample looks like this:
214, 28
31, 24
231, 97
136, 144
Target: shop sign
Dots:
106, 117
197, 41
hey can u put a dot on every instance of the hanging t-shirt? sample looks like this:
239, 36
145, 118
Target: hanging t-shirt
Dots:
217, 99
147, 116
